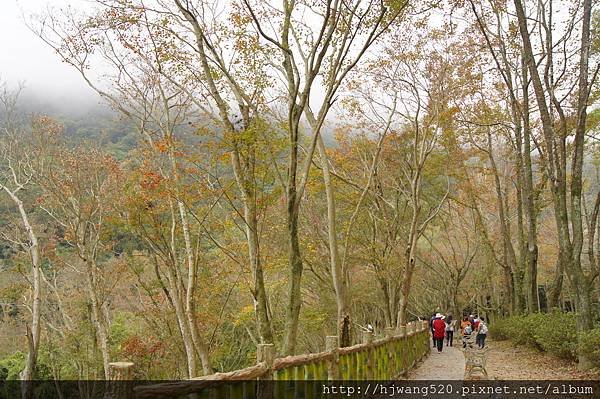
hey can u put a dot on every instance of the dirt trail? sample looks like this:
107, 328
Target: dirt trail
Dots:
505, 361
448, 365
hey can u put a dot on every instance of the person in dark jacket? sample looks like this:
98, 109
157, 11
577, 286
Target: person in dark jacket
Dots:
439, 331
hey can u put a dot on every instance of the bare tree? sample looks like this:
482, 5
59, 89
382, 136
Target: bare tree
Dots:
22, 157
552, 87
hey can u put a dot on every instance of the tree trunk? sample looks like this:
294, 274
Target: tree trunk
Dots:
556, 285
530, 211
190, 285
259, 291
186, 337
29, 372
580, 281
97, 316
295, 278
405, 293
570, 245
409, 265
337, 274
508, 253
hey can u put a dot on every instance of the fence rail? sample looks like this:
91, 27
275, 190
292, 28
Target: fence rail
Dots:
381, 359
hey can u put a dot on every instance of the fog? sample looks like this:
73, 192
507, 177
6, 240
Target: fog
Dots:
50, 85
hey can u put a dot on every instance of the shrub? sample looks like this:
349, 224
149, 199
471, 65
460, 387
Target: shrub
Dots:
500, 330
519, 329
589, 343
532, 324
11, 366
557, 334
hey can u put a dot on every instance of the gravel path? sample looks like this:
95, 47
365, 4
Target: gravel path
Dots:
505, 361
448, 365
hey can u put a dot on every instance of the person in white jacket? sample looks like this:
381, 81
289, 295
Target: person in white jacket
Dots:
450, 322
482, 330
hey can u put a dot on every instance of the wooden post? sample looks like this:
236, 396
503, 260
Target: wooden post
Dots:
265, 353
367, 338
120, 371
391, 358
426, 328
119, 385
415, 340
402, 331
332, 343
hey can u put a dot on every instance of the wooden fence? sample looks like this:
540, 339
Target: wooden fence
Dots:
374, 359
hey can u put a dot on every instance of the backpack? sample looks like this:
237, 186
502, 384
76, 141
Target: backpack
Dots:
468, 330
483, 329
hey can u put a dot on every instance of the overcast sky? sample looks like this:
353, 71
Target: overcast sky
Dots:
25, 58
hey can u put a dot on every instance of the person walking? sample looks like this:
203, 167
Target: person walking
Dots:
481, 333
471, 320
439, 331
450, 330
466, 329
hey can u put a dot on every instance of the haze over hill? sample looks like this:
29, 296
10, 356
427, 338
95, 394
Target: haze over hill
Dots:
25, 58
201, 216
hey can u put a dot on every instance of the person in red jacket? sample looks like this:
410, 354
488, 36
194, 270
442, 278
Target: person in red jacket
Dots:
439, 331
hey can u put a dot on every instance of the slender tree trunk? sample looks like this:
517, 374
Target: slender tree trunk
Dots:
454, 302
182, 323
189, 292
530, 211
556, 285
295, 278
294, 255
337, 274
190, 286
556, 155
508, 253
29, 372
387, 300
409, 261
259, 292
580, 280
244, 177
177, 295
97, 315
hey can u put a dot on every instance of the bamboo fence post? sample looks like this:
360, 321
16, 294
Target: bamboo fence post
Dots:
389, 346
402, 331
265, 353
367, 339
119, 386
332, 343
